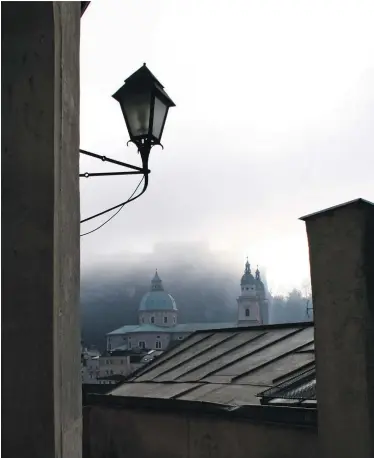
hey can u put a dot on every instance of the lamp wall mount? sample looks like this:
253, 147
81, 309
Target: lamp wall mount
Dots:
136, 170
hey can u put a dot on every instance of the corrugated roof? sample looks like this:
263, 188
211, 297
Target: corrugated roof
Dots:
298, 389
226, 366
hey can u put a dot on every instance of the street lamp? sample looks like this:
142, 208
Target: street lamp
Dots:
145, 107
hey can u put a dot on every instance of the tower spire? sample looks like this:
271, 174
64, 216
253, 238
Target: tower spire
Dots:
258, 274
247, 269
156, 283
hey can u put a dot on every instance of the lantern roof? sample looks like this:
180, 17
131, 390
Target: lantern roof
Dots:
144, 75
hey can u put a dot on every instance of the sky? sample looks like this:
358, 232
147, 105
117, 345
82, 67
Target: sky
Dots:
273, 121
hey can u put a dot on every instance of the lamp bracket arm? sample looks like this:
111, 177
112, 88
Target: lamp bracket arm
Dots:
113, 161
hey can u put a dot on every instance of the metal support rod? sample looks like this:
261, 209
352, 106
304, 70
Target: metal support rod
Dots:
88, 175
144, 151
113, 161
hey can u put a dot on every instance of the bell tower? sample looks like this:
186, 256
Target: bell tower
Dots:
251, 298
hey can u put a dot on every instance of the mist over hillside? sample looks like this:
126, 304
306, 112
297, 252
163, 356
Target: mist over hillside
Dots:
205, 285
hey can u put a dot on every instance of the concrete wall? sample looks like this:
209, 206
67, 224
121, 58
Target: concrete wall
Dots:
341, 249
41, 410
123, 433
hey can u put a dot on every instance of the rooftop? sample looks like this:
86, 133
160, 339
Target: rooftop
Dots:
336, 207
225, 366
178, 328
298, 390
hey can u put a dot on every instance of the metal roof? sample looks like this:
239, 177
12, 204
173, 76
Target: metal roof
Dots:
226, 366
299, 389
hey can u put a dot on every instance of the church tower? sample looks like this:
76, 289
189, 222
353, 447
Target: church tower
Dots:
252, 305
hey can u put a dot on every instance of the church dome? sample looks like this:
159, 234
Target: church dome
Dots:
157, 298
247, 278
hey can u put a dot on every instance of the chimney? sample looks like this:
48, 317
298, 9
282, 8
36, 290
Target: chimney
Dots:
341, 252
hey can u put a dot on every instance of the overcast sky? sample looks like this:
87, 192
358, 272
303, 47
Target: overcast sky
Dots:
274, 120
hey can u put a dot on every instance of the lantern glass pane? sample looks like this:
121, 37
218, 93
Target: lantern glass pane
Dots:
137, 108
159, 115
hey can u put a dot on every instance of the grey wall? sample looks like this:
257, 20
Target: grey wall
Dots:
121, 433
41, 411
341, 248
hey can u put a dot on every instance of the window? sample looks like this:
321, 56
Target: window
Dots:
165, 319
152, 319
143, 319
158, 345
129, 345
174, 320
141, 344
246, 312
180, 338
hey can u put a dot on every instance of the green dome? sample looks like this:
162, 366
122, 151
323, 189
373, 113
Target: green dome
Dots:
157, 300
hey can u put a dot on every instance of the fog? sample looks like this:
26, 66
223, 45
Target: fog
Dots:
204, 284
275, 104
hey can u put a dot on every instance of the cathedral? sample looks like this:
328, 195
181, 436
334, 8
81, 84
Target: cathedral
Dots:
158, 323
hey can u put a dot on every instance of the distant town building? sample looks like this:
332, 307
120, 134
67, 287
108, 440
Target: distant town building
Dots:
158, 325
111, 366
